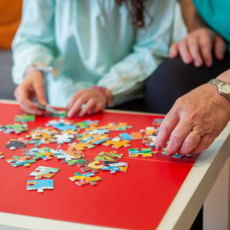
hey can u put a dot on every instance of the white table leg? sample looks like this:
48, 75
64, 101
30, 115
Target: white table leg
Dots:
216, 206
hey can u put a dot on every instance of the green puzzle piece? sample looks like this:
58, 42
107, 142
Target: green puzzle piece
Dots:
24, 118
17, 128
73, 162
82, 125
61, 115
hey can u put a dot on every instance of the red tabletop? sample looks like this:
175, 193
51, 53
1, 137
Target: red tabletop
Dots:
136, 199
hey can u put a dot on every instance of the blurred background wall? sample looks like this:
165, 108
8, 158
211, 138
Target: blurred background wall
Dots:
10, 17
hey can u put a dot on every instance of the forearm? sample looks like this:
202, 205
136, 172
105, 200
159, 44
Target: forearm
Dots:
190, 15
225, 77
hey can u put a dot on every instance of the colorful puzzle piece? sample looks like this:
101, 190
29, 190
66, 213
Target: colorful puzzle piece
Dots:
81, 146
130, 137
117, 144
70, 131
157, 121
92, 139
42, 171
111, 157
15, 144
72, 162
16, 128
149, 140
118, 127
18, 161
98, 131
86, 124
40, 185
144, 152
90, 165
61, 114
69, 155
24, 118
151, 131
64, 138
43, 153
114, 167
86, 178
2, 156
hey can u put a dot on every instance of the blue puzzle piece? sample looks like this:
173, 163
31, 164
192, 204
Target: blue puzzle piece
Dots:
101, 141
40, 185
65, 127
126, 137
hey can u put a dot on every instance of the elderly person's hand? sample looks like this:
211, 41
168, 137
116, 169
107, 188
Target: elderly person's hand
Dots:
202, 110
197, 47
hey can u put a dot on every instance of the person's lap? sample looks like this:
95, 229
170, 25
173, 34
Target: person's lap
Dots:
172, 79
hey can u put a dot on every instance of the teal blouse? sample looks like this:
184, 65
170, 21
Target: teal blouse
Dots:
216, 14
92, 42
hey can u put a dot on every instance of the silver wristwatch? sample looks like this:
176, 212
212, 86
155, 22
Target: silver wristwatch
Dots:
223, 88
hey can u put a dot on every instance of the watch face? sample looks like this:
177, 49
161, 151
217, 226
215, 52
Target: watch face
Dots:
225, 88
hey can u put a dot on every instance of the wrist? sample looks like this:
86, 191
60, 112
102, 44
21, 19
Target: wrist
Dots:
106, 93
212, 90
43, 68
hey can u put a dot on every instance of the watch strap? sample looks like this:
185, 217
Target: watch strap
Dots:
219, 83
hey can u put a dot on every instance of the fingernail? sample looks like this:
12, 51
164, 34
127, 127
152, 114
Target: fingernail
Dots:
197, 64
187, 61
80, 114
69, 115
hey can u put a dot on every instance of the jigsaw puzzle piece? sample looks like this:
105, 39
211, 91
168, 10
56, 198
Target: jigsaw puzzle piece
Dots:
42, 171
118, 127
16, 128
81, 146
86, 124
144, 152
87, 168
65, 127
114, 167
72, 162
149, 140
15, 144
157, 121
126, 136
40, 185
24, 118
98, 131
87, 178
2, 156
68, 155
64, 138
117, 144
112, 156
18, 161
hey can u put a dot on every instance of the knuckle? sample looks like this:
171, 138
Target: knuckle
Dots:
164, 128
80, 100
176, 137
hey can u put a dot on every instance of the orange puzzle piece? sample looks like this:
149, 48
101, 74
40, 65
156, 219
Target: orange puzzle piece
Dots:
117, 144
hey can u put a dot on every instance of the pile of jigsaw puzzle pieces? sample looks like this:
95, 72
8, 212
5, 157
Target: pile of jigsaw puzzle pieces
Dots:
80, 136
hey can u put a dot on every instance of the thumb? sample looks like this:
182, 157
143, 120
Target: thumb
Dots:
39, 91
219, 47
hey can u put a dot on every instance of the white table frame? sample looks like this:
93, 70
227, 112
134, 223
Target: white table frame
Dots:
207, 183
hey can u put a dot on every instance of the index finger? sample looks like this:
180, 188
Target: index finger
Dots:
167, 126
